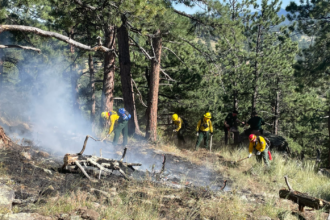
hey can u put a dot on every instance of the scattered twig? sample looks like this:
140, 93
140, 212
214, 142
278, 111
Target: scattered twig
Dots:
224, 185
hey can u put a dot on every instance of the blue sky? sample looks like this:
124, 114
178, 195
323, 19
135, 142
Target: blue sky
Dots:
182, 7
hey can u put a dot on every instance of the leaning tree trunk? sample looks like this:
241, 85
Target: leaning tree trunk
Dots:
151, 130
126, 78
92, 87
109, 70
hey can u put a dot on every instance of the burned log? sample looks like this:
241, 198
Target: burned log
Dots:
87, 162
302, 199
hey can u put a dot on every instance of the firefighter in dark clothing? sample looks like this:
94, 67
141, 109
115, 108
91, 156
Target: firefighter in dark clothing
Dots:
255, 123
231, 124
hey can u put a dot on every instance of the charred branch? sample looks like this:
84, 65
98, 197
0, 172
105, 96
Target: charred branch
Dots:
90, 162
20, 47
224, 185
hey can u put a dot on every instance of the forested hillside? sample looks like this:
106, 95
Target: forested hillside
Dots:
159, 60
66, 65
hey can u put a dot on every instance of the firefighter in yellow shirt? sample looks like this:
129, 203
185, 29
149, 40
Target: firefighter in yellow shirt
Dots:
180, 128
204, 130
118, 124
260, 144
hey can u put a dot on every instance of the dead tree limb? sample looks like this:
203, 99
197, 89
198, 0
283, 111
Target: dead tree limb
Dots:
58, 36
139, 94
20, 47
287, 183
142, 49
302, 199
82, 169
90, 162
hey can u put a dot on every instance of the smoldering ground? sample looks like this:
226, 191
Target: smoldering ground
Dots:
42, 96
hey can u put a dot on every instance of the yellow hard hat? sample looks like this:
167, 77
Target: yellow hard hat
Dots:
207, 115
105, 115
175, 117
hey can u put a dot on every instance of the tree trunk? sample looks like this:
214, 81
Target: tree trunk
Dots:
74, 78
277, 112
235, 104
92, 87
1, 69
329, 139
256, 72
151, 130
109, 70
126, 78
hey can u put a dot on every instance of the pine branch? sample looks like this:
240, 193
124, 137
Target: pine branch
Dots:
58, 36
20, 47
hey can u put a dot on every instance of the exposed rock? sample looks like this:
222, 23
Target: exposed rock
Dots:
7, 196
88, 214
5, 141
264, 218
43, 154
26, 155
24, 216
243, 197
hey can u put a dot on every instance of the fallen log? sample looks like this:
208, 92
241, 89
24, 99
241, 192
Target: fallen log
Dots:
303, 199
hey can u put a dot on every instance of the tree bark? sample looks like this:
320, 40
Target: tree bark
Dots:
109, 69
92, 87
277, 112
1, 69
126, 77
60, 37
256, 73
329, 138
151, 130
235, 104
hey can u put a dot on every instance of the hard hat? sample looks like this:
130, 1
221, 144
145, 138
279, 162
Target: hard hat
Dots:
207, 115
175, 117
252, 138
105, 114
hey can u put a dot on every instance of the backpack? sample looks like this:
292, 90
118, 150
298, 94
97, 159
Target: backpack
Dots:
268, 143
185, 122
123, 114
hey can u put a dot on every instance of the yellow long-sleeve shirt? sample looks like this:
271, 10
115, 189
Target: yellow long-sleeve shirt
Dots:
259, 145
178, 124
113, 119
201, 127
